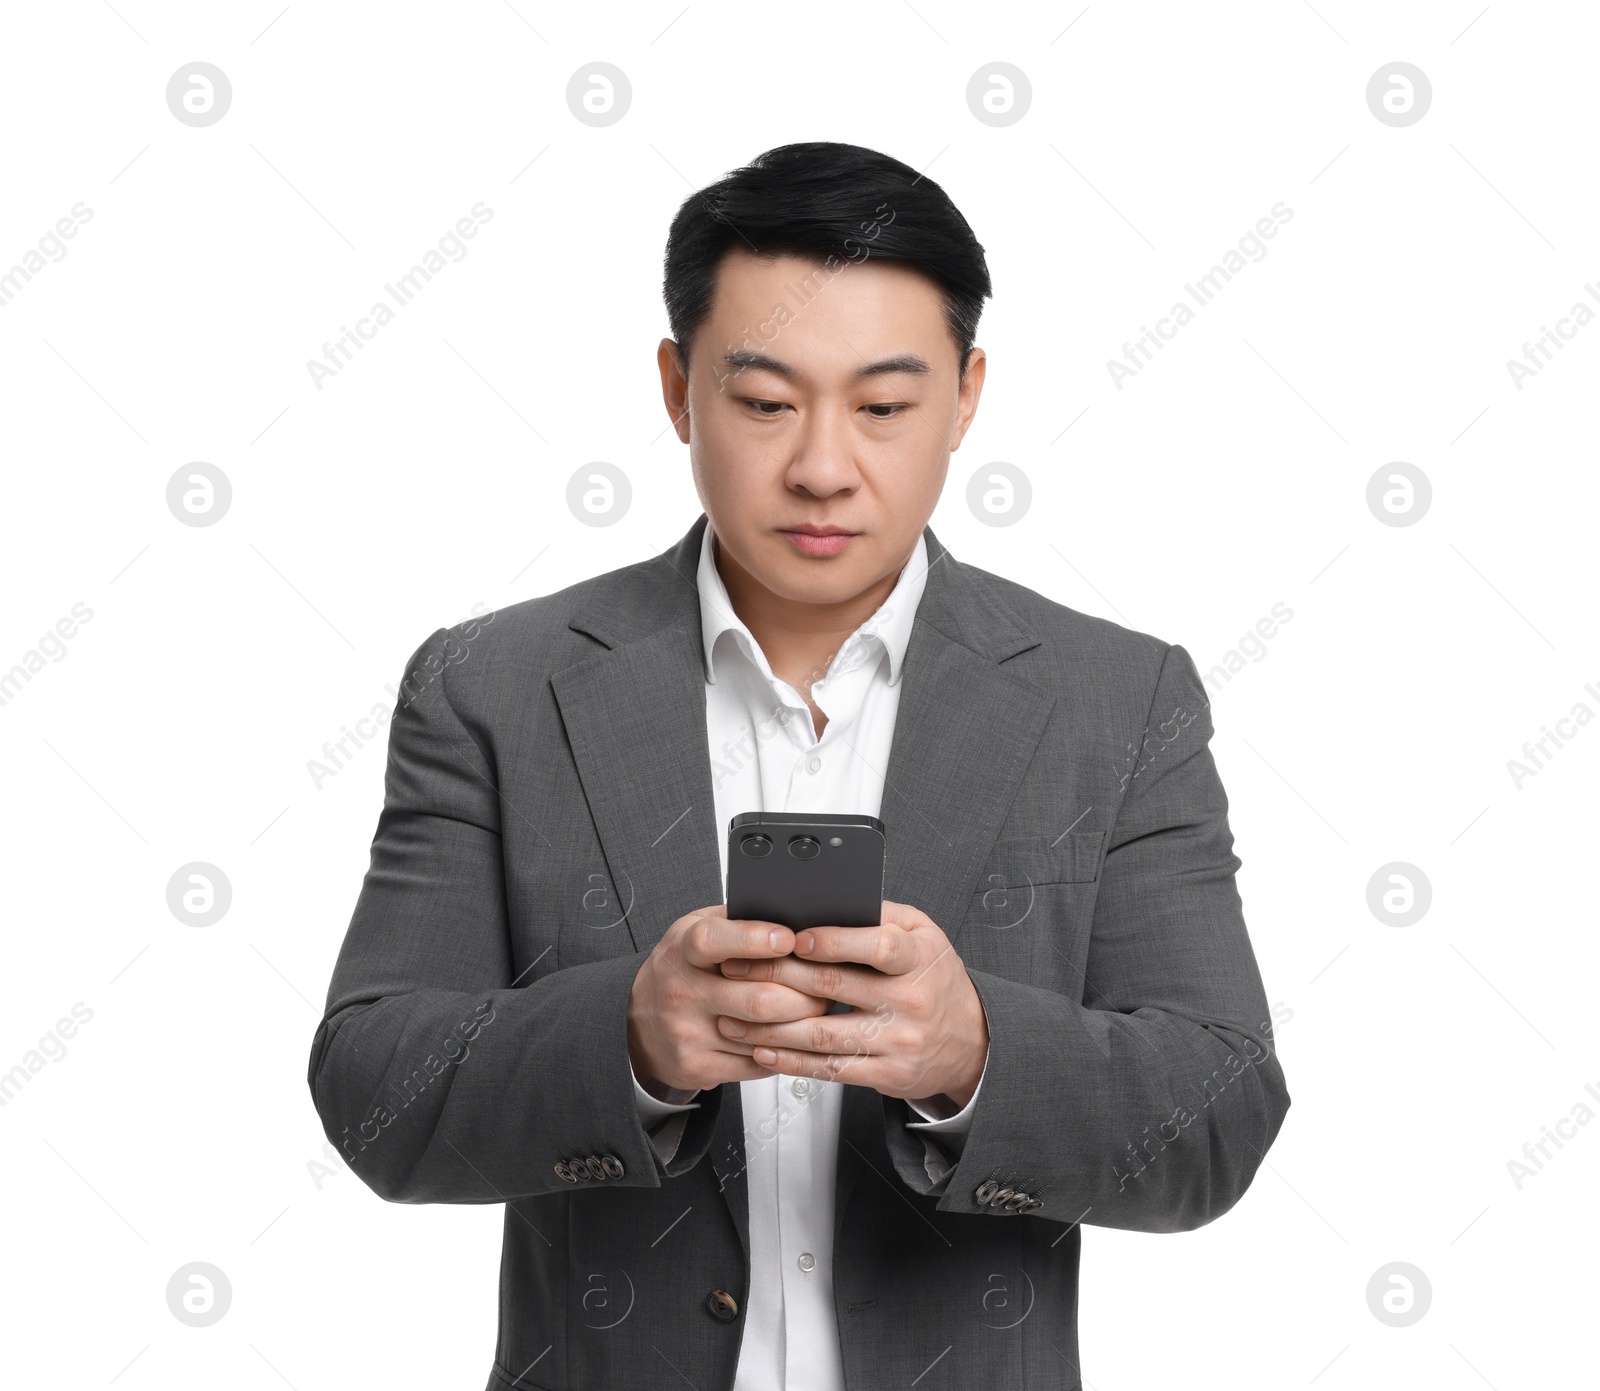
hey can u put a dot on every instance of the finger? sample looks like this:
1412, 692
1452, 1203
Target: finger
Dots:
738, 1067
889, 949
828, 1035
761, 1001
713, 938
792, 1062
903, 915
850, 985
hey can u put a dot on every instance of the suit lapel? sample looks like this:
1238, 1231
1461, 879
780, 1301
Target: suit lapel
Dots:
635, 716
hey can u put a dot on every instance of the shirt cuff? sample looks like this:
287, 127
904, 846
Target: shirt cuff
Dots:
663, 1121
938, 1115
951, 1129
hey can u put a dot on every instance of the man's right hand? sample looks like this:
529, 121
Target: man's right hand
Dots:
679, 992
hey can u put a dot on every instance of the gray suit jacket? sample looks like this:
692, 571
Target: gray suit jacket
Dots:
1050, 801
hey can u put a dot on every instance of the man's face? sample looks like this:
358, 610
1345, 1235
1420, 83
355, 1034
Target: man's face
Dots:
834, 415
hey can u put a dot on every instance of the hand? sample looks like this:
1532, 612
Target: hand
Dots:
917, 1028
680, 993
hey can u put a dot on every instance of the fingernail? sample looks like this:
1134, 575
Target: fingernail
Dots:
736, 1028
775, 937
766, 1057
736, 967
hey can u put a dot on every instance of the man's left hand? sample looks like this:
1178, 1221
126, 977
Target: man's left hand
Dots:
916, 1028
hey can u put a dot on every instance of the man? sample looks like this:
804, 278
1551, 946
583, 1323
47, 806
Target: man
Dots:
542, 1002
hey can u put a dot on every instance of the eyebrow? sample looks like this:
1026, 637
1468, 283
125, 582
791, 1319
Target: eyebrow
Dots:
745, 359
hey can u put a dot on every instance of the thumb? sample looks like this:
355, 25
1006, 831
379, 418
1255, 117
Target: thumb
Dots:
903, 915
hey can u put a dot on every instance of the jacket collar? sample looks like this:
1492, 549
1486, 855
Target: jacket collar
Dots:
663, 593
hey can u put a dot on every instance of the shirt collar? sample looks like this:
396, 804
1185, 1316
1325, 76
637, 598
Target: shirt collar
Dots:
889, 625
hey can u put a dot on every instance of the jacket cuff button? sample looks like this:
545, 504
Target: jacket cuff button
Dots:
595, 1167
612, 1165
564, 1172
986, 1191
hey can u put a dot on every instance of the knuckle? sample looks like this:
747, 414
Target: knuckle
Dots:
759, 1001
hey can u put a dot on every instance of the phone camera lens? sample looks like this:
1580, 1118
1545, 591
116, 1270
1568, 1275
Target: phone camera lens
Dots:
756, 846
804, 848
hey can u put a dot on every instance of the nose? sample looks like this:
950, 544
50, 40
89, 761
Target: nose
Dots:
824, 461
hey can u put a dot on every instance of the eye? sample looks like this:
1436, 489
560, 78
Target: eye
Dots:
893, 409
759, 407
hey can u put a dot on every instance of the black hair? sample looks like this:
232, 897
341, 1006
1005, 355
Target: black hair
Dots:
818, 200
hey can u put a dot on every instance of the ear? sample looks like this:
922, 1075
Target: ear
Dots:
967, 397
674, 386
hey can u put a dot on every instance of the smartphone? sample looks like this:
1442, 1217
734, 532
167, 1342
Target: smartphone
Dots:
805, 870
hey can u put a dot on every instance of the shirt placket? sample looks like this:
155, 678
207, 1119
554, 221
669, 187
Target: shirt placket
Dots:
805, 1106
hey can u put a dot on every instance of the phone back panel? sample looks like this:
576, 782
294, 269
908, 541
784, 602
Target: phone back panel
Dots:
840, 886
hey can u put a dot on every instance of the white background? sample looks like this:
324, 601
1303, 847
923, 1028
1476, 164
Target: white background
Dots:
429, 476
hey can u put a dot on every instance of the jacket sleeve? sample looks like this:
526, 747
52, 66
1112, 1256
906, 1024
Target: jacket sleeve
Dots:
1149, 1102
444, 1069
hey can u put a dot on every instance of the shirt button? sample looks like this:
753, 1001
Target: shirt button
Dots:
807, 1261
801, 1086
813, 764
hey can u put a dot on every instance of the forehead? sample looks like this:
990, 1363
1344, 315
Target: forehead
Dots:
826, 318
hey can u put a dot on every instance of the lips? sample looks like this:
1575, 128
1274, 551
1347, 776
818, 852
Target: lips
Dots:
818, 540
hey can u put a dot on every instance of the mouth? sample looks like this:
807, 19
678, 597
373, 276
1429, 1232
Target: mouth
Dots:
818, 540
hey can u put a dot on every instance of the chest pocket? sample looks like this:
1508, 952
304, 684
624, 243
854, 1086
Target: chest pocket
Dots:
1024, 905
1032, 861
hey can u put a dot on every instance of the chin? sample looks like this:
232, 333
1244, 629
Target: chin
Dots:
821, 580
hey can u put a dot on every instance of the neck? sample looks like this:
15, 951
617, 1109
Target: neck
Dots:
799, 639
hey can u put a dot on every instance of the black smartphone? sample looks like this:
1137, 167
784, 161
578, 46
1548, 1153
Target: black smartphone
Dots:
804, 870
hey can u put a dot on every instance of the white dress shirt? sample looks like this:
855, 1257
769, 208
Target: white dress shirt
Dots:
766, 756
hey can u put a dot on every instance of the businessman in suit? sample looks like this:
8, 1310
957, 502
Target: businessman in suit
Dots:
541, 1000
